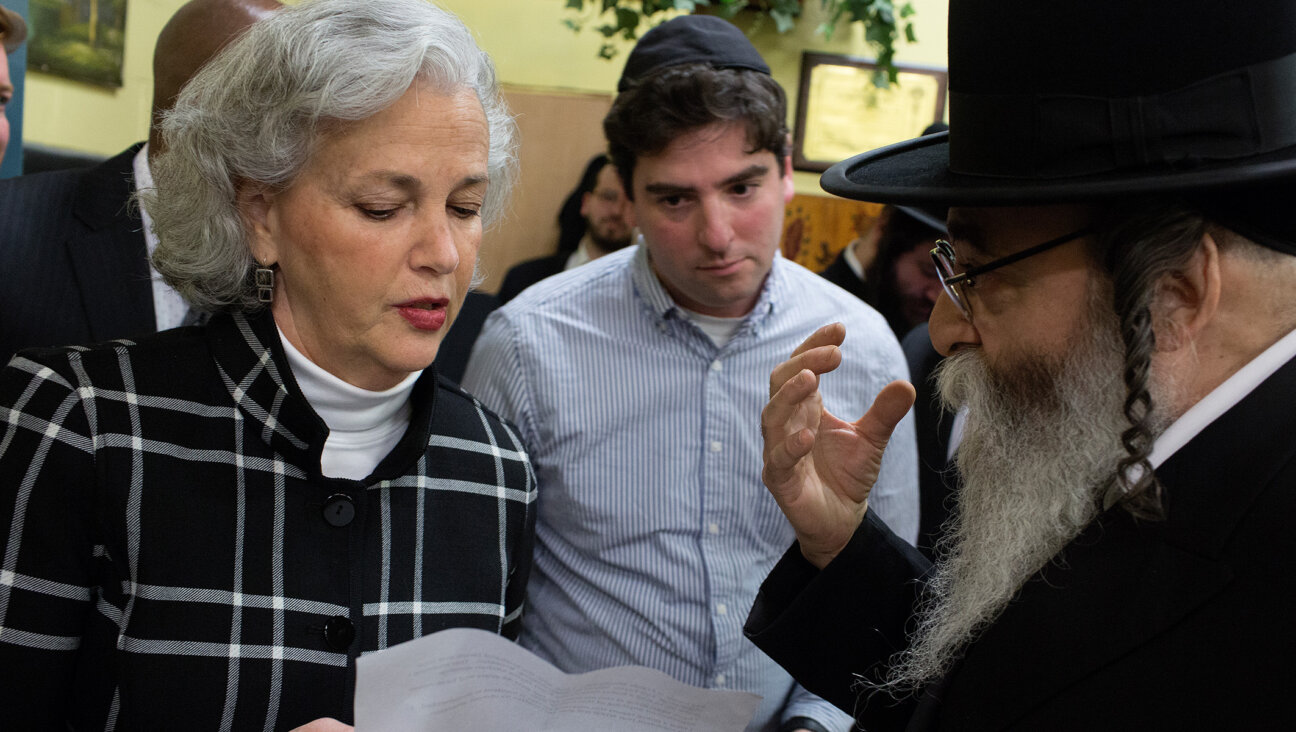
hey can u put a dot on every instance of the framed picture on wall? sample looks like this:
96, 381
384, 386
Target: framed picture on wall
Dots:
841, 113
82, 40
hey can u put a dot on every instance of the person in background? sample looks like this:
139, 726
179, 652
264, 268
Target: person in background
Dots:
211, 524
601, 226
898, 279
635, 380
890, 267
74, 261
13, 31
1118, 322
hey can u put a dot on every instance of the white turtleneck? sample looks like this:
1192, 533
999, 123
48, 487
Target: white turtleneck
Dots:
363, 425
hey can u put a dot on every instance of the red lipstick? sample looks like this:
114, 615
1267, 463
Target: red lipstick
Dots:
425, 313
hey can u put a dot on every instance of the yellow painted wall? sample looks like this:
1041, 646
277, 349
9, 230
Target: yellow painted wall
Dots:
531, 48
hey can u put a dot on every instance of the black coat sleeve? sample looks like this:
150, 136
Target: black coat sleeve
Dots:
833, 628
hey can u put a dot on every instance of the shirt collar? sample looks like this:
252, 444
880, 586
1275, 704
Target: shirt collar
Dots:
853, 261
1222, 398
144, 182
579, 256
169, 309
659, 302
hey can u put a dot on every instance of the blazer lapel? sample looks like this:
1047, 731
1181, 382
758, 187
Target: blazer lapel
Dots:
108, 254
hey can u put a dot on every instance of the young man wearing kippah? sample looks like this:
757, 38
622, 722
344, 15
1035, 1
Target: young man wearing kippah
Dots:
636, 381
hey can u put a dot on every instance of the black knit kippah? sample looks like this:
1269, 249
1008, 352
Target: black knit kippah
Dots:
691, 39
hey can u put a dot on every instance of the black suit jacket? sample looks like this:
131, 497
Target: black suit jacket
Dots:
839, 273
72, 258
1184, 623
525, 274
452, 357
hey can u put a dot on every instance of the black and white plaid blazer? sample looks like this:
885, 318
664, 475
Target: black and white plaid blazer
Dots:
174, 558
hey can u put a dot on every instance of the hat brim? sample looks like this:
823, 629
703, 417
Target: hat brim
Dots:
916, 172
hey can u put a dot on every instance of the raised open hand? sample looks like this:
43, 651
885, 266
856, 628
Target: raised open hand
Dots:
818, 467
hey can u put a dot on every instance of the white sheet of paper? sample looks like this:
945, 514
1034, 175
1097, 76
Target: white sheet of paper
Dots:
464, 678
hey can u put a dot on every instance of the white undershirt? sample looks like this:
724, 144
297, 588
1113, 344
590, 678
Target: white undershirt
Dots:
719, 330
168, 307
363, 425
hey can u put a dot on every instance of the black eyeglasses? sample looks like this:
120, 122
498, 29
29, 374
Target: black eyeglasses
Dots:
943, 256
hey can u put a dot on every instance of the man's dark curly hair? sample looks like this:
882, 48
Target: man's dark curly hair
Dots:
661, 107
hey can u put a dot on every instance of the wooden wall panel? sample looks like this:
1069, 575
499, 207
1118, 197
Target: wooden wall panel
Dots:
816, 228
559, 133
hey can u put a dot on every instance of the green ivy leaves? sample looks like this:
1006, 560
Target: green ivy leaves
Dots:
883, 21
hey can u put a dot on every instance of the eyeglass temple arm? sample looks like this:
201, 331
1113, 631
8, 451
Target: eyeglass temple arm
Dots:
1018, 256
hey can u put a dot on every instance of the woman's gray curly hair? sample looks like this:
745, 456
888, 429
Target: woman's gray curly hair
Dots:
256, 111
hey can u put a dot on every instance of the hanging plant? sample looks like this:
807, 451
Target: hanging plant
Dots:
884, 21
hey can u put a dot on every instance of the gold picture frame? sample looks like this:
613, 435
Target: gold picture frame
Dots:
82, 40
840, 113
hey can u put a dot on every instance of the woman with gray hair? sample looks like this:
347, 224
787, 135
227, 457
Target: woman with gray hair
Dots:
213, 523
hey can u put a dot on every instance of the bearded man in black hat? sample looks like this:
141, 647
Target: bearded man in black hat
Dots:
1118, 315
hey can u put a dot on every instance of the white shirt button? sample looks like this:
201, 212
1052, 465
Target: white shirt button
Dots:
722, 608
720, 679
715, 446
716, 365
713, 528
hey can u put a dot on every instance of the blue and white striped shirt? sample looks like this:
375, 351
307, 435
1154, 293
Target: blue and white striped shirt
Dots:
654, 529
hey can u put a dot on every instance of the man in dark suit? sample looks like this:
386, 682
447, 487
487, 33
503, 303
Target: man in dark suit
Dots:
594, 221
73, 248
891, 268
1118, 323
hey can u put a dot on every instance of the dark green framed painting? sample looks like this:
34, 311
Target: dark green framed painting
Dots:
81, 40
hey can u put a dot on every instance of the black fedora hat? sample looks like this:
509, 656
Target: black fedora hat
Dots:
1068, 100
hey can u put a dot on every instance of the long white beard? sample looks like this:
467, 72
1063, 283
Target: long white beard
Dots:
1041, 443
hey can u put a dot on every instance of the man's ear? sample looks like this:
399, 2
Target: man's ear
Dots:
1187, 301
256, 207
585, 199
